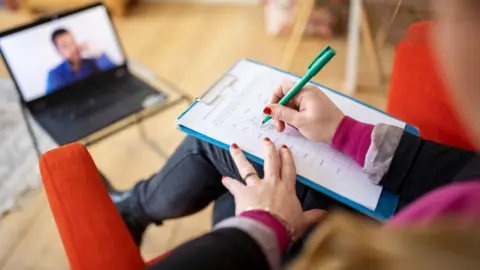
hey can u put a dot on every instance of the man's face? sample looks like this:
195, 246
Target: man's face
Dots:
67, 47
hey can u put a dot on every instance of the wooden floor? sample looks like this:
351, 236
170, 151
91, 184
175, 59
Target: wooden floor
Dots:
191, 45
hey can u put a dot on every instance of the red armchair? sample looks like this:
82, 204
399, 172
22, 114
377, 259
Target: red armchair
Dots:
417, 94
92, 231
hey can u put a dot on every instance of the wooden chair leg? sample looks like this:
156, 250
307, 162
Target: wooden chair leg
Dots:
370, 48
382, 33
353, 43
305, 8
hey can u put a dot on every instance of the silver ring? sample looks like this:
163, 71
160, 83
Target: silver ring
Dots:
248, 175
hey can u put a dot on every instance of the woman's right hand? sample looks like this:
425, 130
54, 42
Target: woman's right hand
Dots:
310, 111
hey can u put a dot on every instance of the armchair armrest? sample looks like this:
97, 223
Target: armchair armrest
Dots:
92, 231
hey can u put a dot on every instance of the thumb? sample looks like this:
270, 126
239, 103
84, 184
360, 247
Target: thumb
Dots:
312, 217
232, 185
283, 113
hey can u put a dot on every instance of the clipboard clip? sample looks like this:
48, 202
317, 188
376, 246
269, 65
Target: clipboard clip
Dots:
216, 90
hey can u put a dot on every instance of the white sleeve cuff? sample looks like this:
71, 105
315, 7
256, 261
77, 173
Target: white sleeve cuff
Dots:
385, 139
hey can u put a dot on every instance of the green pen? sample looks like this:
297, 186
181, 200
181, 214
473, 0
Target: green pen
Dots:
318, 63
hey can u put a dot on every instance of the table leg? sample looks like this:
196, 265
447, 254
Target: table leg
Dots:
31, 133
147, 141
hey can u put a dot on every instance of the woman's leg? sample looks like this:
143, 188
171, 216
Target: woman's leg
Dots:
188, 182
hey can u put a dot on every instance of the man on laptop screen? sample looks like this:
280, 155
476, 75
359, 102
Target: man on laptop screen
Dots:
72, 75
54, 53
74, 67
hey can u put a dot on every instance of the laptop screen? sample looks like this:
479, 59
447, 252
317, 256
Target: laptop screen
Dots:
50, 56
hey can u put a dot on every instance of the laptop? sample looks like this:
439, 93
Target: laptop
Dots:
72, 74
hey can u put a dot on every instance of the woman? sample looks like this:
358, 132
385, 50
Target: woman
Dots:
394, 159
270, 216
269, 211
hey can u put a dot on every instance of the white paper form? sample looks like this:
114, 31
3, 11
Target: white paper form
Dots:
235, 116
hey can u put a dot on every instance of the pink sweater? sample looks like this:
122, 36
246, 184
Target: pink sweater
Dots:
460, 199
353, 138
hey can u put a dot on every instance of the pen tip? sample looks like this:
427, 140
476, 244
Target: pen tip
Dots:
263, 122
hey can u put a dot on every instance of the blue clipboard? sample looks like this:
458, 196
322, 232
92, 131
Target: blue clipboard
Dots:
388, 201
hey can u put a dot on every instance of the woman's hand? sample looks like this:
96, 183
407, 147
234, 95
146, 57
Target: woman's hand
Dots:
310, 111
276, 191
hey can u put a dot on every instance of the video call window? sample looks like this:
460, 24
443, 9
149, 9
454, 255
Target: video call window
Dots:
50, 56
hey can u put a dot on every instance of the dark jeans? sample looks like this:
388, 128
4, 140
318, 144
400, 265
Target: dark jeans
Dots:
191, 179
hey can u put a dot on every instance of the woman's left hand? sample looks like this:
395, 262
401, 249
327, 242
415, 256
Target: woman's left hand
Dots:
276, 191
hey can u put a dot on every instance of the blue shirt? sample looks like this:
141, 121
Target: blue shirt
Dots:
62, 75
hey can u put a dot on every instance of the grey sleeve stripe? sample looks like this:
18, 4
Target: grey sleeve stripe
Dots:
385, 139
263, 235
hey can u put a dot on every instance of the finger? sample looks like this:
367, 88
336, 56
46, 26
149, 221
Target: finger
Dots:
279, 125
243, 165
283, 113
294, 103
252, 180
288, 171
281, 90
234, 186
271, 167
312, 217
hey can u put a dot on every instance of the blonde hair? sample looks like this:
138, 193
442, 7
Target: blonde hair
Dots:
344, 242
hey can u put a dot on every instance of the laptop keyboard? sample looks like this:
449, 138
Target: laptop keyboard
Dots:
90, 106
112, 94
